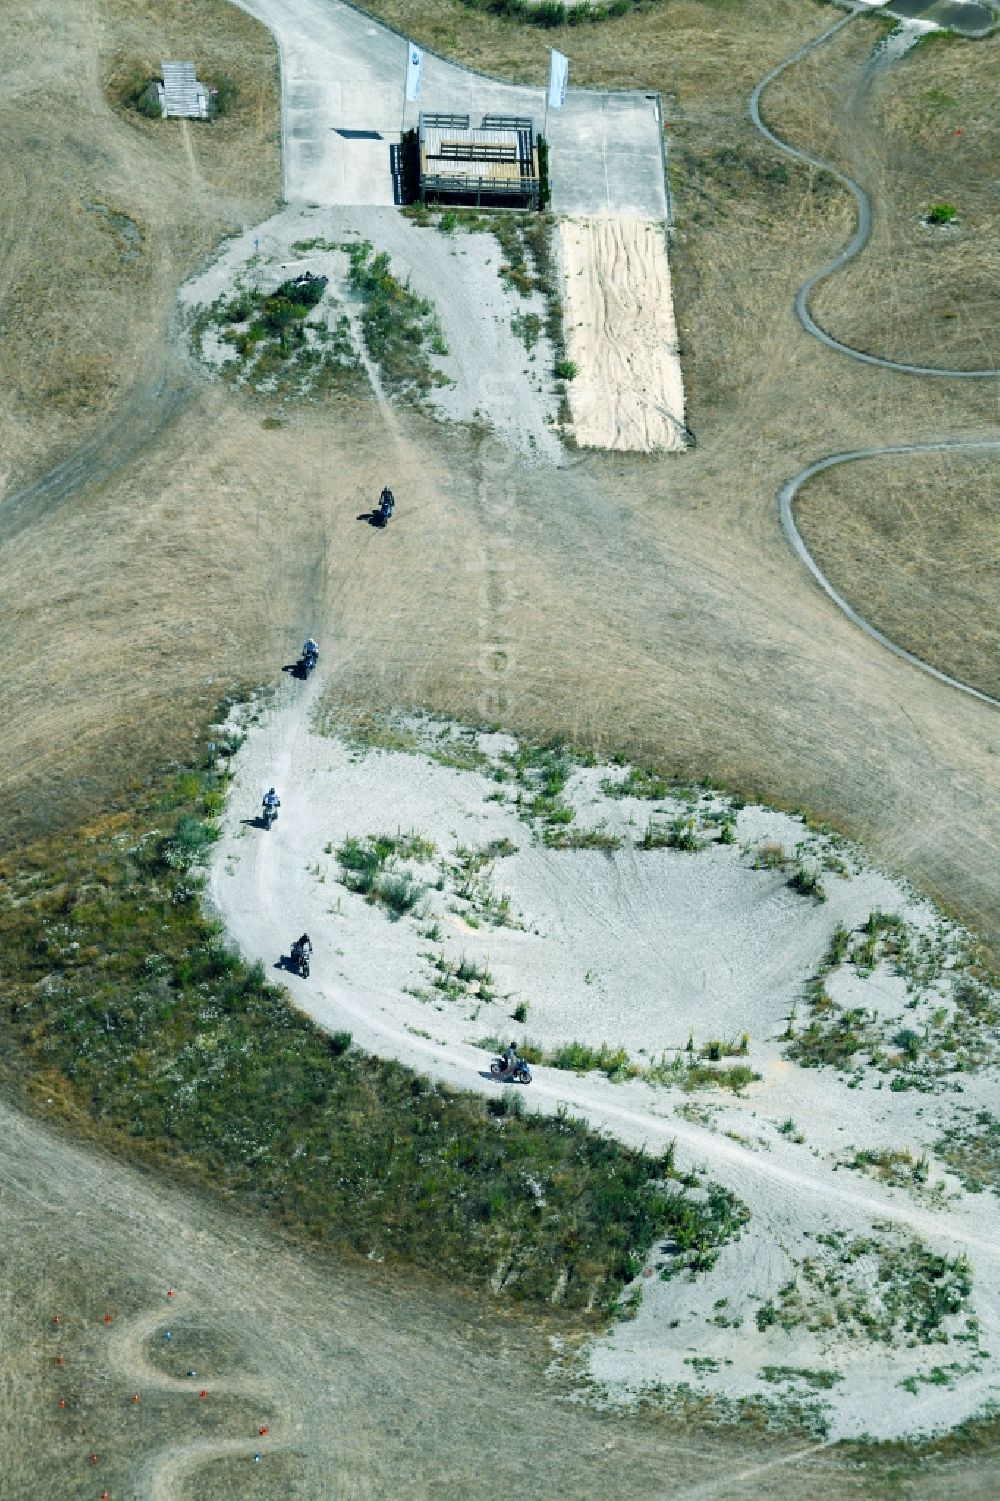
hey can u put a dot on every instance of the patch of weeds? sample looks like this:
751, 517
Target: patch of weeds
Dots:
897, 1167
973, 1152
935, 965
509, 1103
679, 834
807, 883
715, 1049
463, 980
872, 1286
938, 1375
398, 325
689, 1074
527, 327
583, 839
639, 782
398, 893
700, 1231
770, 855
366, 869
565, 369
520, 1012
317, 242
823, 1381
703, 1365
941, 213
790, 1129
275, 345
542, 773
472, 885
581, 1058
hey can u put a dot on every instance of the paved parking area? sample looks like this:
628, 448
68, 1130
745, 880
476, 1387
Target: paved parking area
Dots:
344, 72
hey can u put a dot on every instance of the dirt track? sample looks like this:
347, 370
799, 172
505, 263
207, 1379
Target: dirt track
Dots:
401, 1391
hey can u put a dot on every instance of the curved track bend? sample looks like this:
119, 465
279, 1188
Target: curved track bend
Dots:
788, 492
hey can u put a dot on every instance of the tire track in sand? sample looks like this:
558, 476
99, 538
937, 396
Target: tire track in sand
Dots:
164, 1472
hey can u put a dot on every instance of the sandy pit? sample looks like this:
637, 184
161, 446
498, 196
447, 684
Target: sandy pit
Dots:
621, 335
852, 1303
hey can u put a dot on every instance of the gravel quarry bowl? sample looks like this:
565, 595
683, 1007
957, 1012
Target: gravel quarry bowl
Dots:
461, 889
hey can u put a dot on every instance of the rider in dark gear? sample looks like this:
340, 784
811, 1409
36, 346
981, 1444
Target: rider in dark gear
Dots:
510, 1058
386, 504
271, 800
301, 950
310, 650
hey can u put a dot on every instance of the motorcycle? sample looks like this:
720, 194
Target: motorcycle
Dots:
308, 662
386, 506
299, 962
519, 1074
268, 814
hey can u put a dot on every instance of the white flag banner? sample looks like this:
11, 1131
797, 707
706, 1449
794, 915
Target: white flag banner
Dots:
558, 79
414, 72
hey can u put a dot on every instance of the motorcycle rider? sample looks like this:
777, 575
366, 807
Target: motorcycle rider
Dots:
310, 651
510, 1058
301, 949
386, 504
272, 802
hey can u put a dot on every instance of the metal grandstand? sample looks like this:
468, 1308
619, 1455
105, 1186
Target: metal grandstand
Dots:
496, 162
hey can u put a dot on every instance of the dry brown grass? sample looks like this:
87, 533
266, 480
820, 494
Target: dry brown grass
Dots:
83, 307
398, 1390
658, 611
670, 618
911, 543
924, 131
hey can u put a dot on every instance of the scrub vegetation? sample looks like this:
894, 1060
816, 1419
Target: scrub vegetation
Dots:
953, 1003
401, 330
269, 342
127, 1011
882, 1289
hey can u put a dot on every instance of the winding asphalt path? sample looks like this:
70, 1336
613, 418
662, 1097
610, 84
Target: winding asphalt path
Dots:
788, 492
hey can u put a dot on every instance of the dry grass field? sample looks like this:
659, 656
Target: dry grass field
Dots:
925, 134
911, 542
369, 1386
656, 610
108, 210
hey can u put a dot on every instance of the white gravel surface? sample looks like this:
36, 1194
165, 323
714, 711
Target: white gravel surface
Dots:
638, 947
490, 375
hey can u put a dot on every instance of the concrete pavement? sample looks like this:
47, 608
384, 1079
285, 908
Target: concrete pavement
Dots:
343, 109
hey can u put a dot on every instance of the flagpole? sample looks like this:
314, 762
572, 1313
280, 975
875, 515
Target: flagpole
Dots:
406, 74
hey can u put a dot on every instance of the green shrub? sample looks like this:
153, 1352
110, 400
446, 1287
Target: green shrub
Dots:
399, 893
565, 369
190, 842
224, 94
941, 213
807, 883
